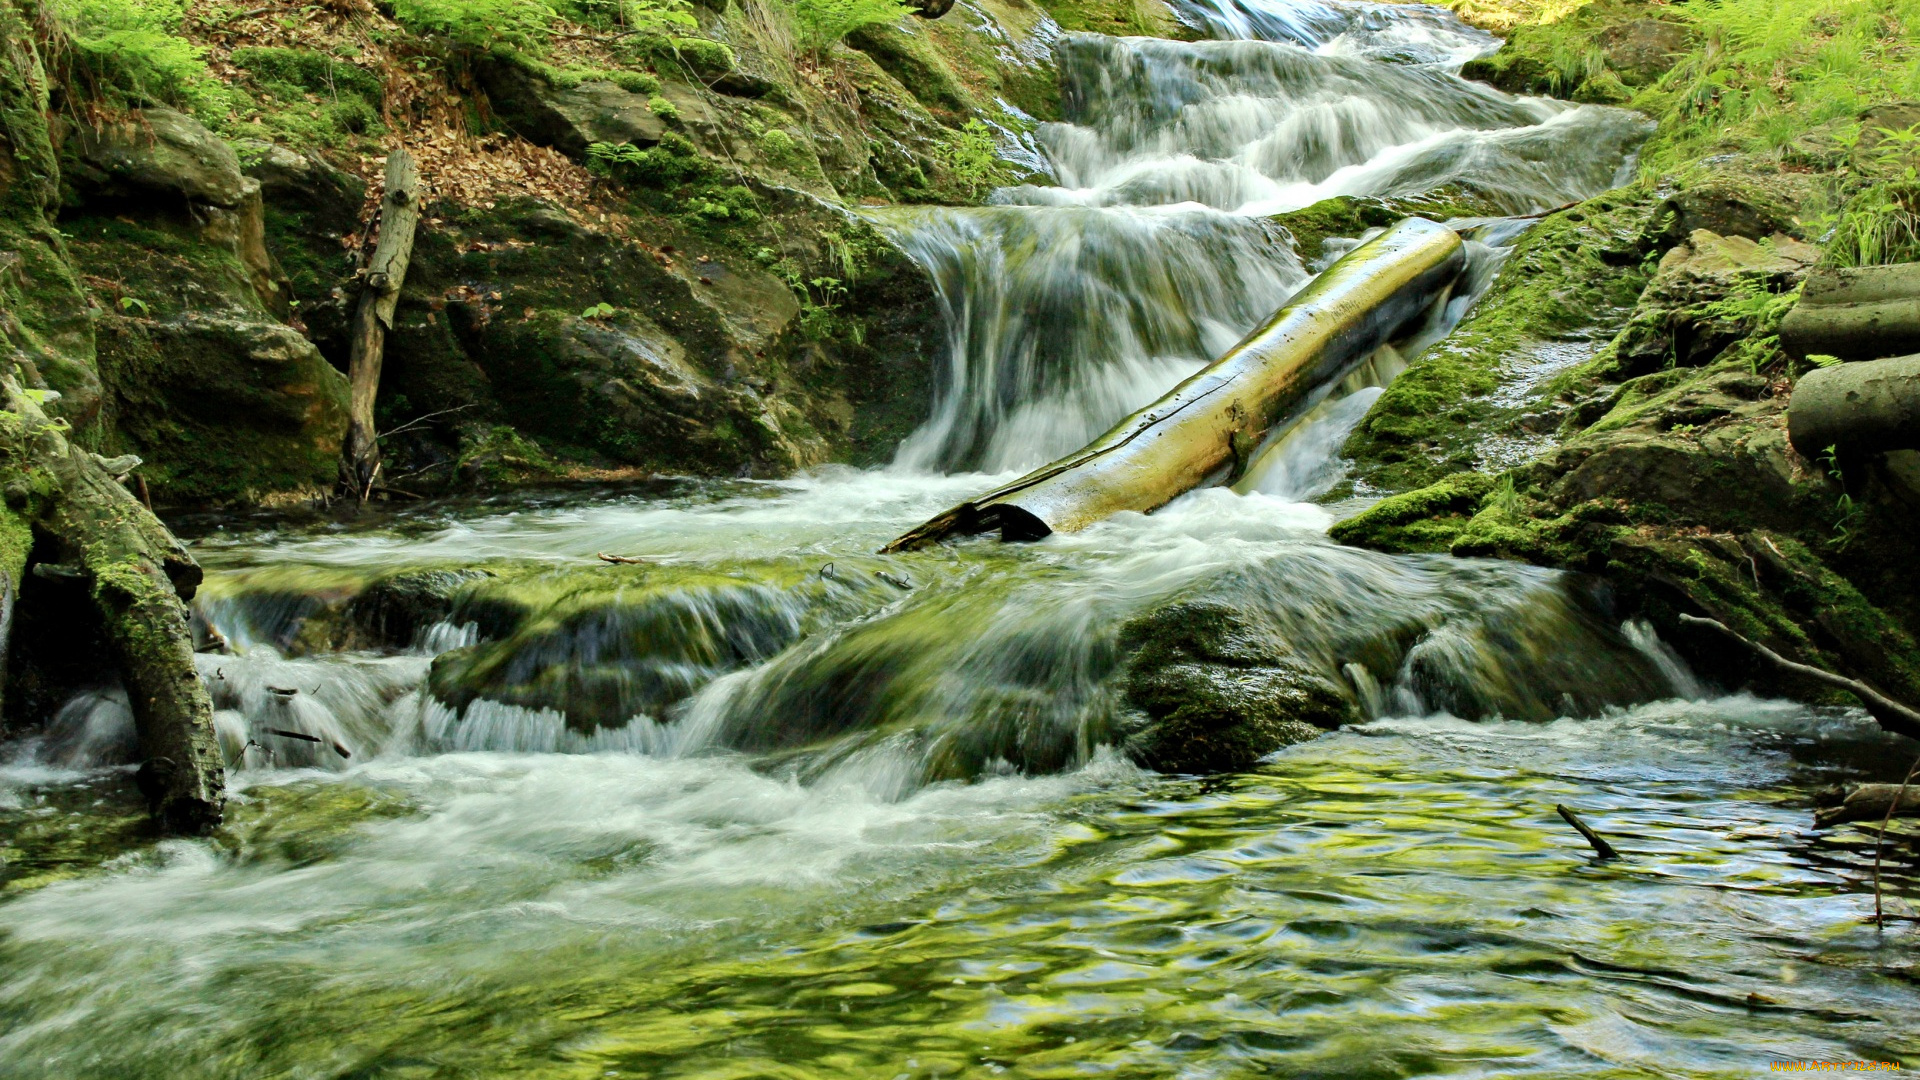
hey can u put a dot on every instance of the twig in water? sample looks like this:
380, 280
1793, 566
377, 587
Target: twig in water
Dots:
897, 582
1892, 715
1879, 917
1600, 845
619, 559
301, 735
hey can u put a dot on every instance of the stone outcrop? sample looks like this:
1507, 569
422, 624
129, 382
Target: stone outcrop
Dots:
572, 118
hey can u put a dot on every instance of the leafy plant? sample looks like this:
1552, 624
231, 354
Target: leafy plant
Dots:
600, 310
973, 158
1842, 535
1880, 225
131, 303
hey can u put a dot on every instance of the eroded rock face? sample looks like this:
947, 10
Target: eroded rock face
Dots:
1674, 324
222, 407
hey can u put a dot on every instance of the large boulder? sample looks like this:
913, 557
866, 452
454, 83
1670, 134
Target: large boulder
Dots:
222, 407
154, 152
1220, 689
568, 119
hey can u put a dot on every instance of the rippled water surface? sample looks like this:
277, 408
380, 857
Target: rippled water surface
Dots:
1394, 900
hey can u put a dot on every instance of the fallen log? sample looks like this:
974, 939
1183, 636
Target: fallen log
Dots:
1873, 405
1856, 313
1892, 715
137, 577
380, 294
1868, 802
1209, 424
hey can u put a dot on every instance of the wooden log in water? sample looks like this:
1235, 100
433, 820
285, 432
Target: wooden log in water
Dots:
1206, 426
1869, 802
386, 272
1872, 405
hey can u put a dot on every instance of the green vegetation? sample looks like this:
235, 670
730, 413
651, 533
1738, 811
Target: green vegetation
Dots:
972, 157
312, 99
1880, 225
479, 25
818, 24
129, 53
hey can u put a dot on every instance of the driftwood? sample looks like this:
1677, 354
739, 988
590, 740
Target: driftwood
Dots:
1857, 313
1867, 802
1873, 405
1208, 425
386, 272
89, 527
1600, 846
1892, 715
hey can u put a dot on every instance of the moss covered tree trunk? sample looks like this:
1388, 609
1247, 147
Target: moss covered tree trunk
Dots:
138, 577
386, 272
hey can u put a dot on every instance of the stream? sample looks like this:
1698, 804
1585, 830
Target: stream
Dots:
763, 803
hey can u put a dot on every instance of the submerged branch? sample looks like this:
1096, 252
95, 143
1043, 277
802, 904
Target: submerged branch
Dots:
1892, 715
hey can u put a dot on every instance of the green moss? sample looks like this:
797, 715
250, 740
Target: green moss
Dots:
311, 99
1426, 519
1572, 273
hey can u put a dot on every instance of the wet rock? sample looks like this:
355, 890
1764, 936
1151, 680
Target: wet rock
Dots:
394, 611
1220, 689
155, 151
603, 654
1210, 719
1642, 50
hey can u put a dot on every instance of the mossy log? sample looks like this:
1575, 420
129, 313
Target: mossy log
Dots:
138, 577
385, 273
1873, 405
1856, 313
1868, 802
1209, 424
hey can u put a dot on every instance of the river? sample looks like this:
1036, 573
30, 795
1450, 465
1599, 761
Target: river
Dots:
766, 804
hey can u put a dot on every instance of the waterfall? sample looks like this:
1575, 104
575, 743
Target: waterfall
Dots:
1071, 306
759, 622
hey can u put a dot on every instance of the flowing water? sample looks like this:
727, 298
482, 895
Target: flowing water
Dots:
769, 805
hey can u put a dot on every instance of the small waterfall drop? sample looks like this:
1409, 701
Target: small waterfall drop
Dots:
1070, 306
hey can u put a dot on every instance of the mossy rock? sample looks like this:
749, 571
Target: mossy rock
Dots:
1219, 688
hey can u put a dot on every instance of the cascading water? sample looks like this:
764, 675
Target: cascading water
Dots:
1072, 305
766, 804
